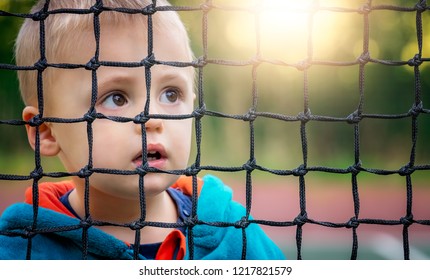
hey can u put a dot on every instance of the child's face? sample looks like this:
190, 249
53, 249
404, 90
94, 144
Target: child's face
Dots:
122, 92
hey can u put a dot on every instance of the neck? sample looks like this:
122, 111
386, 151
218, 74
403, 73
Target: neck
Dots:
103, 207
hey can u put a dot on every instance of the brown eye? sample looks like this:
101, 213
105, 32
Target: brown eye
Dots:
114, 100
169, 96
119, 100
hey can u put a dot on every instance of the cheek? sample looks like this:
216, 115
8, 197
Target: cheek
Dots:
72, 139
109, 141
183, 142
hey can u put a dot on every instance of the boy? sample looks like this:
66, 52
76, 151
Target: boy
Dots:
113, 200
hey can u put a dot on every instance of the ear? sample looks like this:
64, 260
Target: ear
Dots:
48, 144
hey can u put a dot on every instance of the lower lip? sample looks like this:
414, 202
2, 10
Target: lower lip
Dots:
158, 163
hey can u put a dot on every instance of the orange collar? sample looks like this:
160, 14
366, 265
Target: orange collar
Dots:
49, 193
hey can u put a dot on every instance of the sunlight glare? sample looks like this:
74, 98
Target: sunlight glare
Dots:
284, 27
280, 12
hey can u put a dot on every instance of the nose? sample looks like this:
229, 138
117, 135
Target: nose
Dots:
152, 124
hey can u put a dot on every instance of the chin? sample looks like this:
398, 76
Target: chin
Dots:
155, 183
127, 187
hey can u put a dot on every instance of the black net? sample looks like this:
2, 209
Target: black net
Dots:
354, 119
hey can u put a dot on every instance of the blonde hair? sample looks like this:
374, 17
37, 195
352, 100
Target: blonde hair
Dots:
62, 32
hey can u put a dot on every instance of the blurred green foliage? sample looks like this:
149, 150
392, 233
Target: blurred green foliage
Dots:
12, 139
333, 91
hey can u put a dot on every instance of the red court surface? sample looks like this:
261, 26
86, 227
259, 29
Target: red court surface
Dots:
333, 202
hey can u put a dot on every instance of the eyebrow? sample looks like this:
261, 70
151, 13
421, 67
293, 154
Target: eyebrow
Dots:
117, 78
173, 77
171, 74
165, 75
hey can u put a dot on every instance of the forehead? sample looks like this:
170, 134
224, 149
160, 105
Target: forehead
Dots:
124, 42
128, 43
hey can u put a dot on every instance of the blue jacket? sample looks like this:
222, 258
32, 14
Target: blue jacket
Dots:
215, 204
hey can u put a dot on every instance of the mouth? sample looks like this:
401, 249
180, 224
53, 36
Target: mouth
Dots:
156, 156
153, 155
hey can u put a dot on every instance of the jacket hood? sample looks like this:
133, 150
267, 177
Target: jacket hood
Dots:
19, 217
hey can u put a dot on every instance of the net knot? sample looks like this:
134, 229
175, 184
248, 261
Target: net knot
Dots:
93, 64
364, 58
28, 232
143, 169
303, 65
198, 113
256, 61
250, 165
206, 7
41, 65
148, 61
141, 118
301, 219
407, 220
137, 225
200, 62
354, 118
352, 223
406, 170
242, 223
364, 9
37, 120
191, 222
97, 8
355, 169
304, 117
87, 223
416, 109
300, 171
421, 6
191, 171
250, 116
40, 15
37, 173
85, 172
415, 61
90, 116
149, 10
